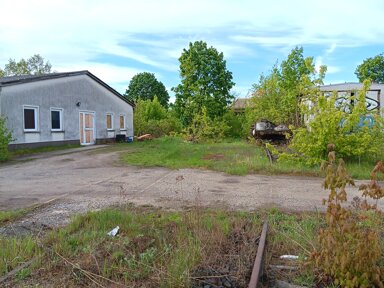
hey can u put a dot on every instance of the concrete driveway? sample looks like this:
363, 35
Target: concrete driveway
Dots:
96, 178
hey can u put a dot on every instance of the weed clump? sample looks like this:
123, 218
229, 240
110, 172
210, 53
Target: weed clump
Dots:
349, 251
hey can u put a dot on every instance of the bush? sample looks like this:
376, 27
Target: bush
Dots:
152, 118
341, 124
349, 250
203, 128
236, 125
5, 138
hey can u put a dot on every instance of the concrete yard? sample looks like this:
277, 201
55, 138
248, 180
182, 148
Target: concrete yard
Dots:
86, 179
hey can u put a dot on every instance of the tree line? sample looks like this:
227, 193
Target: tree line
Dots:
203, 96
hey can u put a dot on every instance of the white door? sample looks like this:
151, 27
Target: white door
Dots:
87, 128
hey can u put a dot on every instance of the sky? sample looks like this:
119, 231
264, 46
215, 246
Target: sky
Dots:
117, 39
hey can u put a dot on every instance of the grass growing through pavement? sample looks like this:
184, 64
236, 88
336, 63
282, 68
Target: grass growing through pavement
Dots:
232, 157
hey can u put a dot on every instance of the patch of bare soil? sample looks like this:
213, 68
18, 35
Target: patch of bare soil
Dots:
213, 157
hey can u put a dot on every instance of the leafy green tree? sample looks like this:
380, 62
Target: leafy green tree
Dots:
372, 69
35, 65
278, 96
294, 74
145, 86
205, 82
151, 117
5, 138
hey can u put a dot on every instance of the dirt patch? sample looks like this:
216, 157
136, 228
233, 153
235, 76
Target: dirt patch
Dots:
213, 157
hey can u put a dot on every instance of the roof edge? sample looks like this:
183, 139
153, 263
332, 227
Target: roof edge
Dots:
67, 74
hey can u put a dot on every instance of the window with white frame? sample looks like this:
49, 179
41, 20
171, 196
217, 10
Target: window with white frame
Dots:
31, 118
109, 121
122, 122
56, 119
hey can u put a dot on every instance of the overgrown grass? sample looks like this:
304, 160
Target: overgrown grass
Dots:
233, 157
153, 248
156, 248
30, 151
15, 251
294, 234
297, 234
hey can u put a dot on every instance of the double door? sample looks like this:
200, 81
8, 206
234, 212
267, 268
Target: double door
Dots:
87, 128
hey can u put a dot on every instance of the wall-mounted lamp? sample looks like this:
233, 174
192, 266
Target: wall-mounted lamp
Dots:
78, 104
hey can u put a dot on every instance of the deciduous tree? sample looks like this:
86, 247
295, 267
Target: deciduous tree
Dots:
35, 65
205, 82
145, 86
371, 69
278, 96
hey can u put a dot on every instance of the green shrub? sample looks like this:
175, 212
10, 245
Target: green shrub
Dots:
236, 125
5, 138
152, 118
340, 124
203, 128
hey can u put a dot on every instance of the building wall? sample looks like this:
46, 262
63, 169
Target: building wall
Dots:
63, 93
376, 91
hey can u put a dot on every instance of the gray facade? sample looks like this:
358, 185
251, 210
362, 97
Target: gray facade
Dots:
64, 107
374, 96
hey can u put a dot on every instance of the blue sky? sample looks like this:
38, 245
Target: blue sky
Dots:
117, 39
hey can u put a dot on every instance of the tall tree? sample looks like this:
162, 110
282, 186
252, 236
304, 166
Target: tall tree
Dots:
371, 69
35, 65
278, 95
145, 86
205, 82
292, 71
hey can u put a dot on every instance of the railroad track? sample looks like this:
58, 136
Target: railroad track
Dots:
258, 266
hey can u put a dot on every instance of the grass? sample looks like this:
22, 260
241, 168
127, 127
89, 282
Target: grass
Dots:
153, 248
294, 234
15, 251
156, 248
30, 151
233, 157
11, 215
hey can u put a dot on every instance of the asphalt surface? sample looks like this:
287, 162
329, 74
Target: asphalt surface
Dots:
95, 175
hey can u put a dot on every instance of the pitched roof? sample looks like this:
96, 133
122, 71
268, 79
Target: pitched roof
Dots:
240, 103
20, 79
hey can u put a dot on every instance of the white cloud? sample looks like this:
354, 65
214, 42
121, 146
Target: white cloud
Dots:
116, 76
69, 32
331, 49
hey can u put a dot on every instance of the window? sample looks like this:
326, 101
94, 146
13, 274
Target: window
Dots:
122, 122
56, 119
109, 121
31, 118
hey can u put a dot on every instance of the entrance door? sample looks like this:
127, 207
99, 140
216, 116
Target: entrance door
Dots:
87, 128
